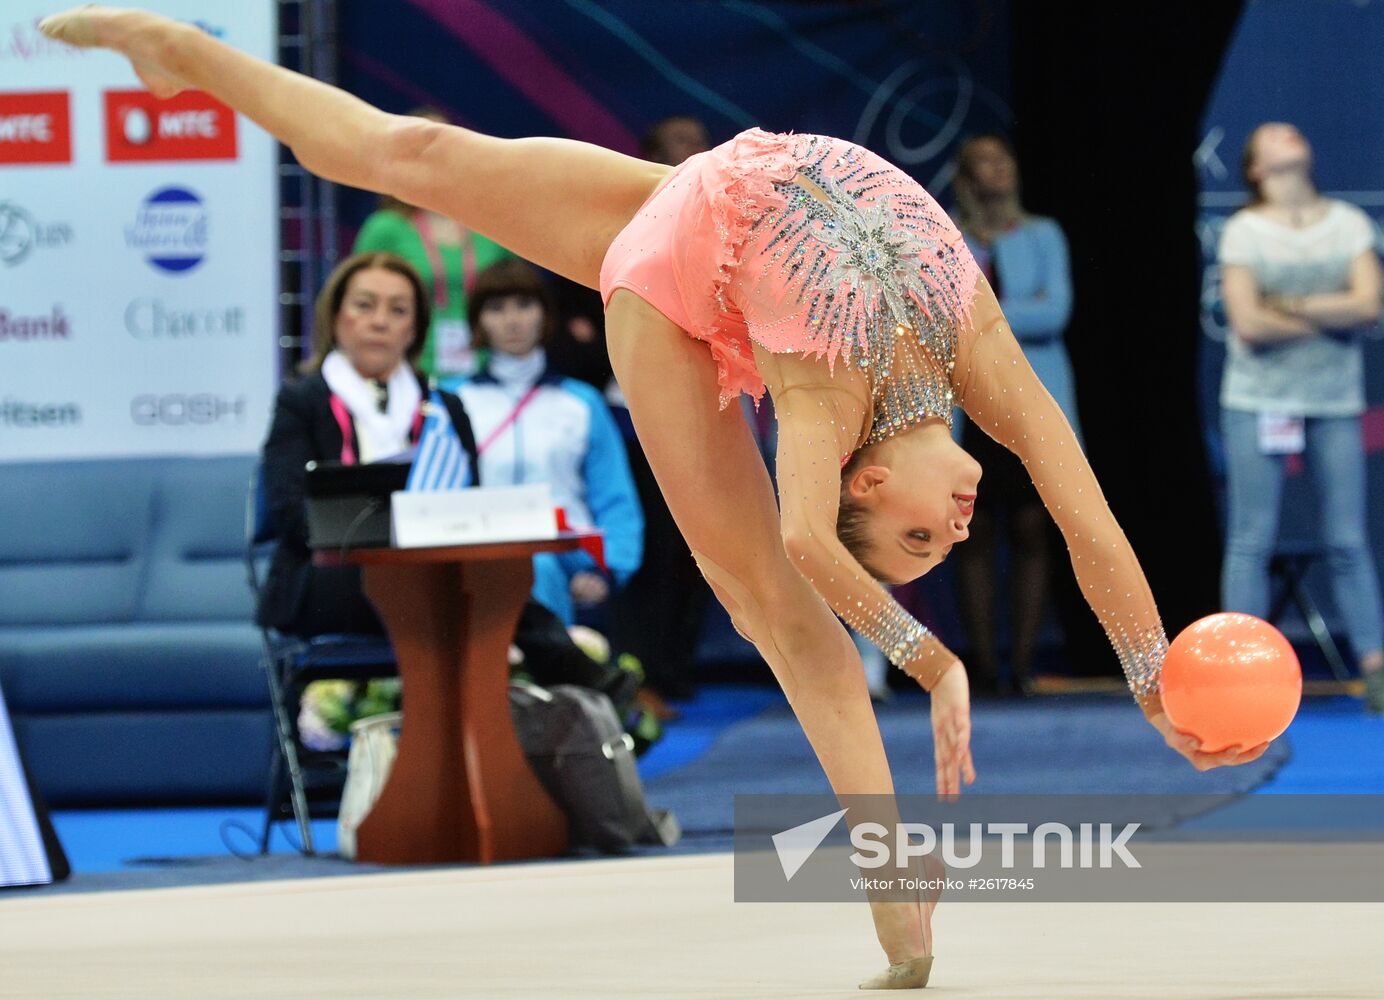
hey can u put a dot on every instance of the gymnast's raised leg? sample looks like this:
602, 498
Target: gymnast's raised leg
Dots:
556, 202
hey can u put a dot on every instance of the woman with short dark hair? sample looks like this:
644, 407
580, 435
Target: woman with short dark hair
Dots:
534, 424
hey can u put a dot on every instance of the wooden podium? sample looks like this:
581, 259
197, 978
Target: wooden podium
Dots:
460, 788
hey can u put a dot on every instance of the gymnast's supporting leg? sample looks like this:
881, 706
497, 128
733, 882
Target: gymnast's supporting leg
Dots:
556, 202
719, 492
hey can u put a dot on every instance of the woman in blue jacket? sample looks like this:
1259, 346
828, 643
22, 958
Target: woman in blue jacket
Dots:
534, 425
1025, 259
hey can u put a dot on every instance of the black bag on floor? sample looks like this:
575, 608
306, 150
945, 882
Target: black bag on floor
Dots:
583, 757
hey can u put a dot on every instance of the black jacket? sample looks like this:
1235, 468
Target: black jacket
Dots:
306, 430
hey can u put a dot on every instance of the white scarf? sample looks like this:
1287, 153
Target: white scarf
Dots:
517, 373
380, 435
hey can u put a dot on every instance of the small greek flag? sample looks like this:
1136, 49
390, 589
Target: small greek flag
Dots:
441, 462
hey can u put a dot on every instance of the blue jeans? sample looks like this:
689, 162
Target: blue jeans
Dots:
1335, 459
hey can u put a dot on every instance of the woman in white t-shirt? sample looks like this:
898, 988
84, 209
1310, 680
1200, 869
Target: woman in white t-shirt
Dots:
1300, 277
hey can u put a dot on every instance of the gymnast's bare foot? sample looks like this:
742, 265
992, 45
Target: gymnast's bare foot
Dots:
134, 34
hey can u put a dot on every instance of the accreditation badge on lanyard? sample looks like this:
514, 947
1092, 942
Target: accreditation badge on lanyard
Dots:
1280, 434
452, 353
452, 350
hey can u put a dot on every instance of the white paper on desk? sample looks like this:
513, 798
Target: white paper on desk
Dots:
471, 516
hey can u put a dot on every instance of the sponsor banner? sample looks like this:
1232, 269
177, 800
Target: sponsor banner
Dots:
24, 47
21, 414
21, 234
190, 126
170, 230
35, 127
151, 318
139, 245
187, 409
51, 325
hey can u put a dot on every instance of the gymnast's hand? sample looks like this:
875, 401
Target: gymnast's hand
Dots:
951, 731
1190, 747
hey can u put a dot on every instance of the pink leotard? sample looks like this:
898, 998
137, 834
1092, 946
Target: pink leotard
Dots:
811, 245
803, 243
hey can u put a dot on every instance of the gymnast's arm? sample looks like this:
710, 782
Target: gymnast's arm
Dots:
1000, 392
819, 420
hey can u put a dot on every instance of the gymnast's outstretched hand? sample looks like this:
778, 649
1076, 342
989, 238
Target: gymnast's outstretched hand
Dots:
951, 731
1190, 747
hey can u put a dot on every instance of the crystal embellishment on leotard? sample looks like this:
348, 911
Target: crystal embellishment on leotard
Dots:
881, 274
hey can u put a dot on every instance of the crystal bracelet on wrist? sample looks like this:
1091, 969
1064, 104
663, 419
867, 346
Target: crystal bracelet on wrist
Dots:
1141, 656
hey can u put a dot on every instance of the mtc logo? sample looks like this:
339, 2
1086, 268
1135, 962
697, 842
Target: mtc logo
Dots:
190, 126
177, 409
35, 128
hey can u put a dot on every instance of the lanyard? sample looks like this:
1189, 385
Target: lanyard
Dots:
504, 424
468, 260
347, 425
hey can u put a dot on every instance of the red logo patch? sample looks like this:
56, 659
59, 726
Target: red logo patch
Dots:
35, 128
190, 126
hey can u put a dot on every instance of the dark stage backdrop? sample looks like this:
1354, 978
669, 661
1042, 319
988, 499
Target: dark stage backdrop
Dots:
1108, 100
903, 78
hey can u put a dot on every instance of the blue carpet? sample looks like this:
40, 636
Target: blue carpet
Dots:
105, 840
704, 719
743, 739
1336, 748
1068, 745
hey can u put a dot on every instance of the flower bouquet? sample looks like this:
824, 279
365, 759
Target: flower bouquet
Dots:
328, 708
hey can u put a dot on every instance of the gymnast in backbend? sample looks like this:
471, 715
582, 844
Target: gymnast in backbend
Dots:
798, 263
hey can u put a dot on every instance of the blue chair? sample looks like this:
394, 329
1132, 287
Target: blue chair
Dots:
290, 665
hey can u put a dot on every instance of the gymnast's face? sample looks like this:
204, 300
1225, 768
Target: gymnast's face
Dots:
376, 323
918, 491
512, 324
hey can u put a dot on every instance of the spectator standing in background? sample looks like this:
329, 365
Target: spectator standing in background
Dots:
1025, 259
658, 617
1300, 277
534, 425
673, 139
448, 257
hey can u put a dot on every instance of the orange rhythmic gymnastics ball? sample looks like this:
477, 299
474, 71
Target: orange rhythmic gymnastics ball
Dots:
1231, 679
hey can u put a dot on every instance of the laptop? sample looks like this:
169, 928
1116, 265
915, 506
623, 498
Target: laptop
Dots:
348, 505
